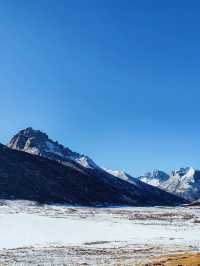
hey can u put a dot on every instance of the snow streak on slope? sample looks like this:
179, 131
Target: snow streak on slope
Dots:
118, 173
128, 178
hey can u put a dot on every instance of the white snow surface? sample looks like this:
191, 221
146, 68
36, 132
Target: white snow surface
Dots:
33, 234
18, 230
23, 224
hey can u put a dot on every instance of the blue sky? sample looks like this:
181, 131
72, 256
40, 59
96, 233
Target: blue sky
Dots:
117, 80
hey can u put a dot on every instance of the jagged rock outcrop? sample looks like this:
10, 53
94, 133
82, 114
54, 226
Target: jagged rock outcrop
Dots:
38, 143
184, 182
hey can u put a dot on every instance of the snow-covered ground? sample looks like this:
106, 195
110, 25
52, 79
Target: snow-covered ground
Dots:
33, 234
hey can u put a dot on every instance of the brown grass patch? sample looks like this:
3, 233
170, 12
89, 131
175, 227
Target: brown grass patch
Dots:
178, 260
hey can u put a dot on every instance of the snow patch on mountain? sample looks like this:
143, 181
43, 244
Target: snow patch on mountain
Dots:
126, 177
184, 182
155, 178
118, 173
53, 148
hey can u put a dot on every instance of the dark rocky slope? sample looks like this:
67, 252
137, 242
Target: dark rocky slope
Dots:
32, 177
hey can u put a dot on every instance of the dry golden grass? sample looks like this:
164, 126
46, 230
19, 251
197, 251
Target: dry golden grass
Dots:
178, 260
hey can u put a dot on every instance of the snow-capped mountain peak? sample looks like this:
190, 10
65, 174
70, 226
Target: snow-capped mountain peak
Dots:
187, 172
154, 178
184, 182
118, 173
126, 177
38, 143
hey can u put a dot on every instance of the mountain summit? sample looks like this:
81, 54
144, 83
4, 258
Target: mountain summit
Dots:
155, 178
184, 182
38, 143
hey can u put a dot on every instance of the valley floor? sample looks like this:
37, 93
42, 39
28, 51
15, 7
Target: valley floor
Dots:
32, 234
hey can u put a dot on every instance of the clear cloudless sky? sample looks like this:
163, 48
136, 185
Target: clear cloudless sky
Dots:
118, 80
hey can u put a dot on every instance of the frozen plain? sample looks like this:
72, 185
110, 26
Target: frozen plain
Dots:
32, 234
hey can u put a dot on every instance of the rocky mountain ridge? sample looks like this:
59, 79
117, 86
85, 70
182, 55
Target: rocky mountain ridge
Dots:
38, 168
38, 143
184, 182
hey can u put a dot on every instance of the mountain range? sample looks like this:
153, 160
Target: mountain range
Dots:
34, 167
184, 182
